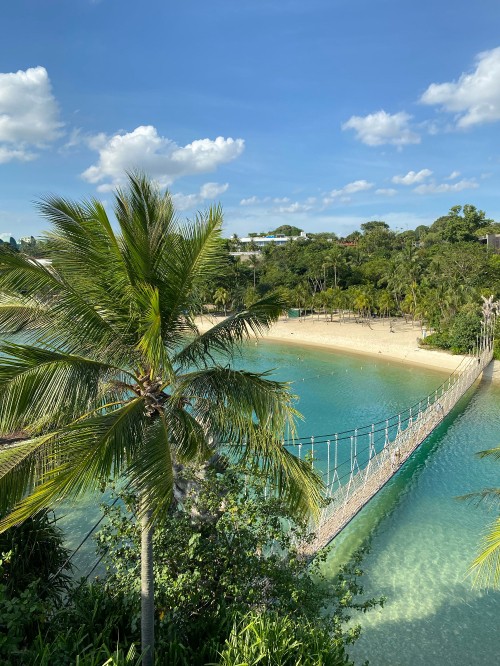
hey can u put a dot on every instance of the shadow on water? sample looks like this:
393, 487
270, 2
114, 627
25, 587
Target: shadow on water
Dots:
370, 520
422, 641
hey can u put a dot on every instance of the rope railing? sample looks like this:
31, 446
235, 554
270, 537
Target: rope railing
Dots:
356, 471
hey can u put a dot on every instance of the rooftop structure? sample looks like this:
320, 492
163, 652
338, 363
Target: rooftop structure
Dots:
277, 239
492, 241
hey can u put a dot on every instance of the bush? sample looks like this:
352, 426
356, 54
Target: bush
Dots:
227, 553
465, 330
269, 639
436, 340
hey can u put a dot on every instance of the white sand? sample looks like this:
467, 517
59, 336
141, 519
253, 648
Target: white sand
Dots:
373, 339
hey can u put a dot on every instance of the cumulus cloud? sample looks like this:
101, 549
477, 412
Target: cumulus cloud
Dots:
250, 201
412, 177
8, 155
342, 194
160, 157
440, 188
453, 175
296, 207
208, 191
475, 97
387, 191
29, 115
377, 129
255, 201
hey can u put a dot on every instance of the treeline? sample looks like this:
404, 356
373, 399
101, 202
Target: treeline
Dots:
433, 274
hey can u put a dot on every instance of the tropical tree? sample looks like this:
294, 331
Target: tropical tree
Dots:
113, 378
385, 303
221, 297
253, 260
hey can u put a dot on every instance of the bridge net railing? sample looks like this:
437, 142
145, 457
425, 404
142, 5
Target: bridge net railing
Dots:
360, 461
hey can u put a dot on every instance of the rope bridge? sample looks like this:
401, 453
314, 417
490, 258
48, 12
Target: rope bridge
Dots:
361, 461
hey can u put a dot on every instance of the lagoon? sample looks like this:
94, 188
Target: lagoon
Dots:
421, 538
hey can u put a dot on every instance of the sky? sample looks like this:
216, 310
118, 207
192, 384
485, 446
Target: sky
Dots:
322, 114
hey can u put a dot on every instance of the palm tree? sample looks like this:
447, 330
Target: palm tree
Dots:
253, 260
222, 297
113, 378
385, 303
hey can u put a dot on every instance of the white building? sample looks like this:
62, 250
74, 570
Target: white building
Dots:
278, 239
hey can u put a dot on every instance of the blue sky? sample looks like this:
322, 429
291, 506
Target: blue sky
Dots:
321, 113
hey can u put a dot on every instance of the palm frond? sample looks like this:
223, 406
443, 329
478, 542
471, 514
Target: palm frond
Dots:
19, 313
85, 455
152, 343
151, 471
476, 498
22, 466
188, 437
490, 453
486, 567
225, 336
74, 320
292, 479
42, 386
243, 395
247, 415
146, 219
193, 255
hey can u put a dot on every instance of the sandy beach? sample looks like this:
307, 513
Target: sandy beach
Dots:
396, 340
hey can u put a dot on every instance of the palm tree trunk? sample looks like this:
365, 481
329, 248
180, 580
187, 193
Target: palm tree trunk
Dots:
147, 589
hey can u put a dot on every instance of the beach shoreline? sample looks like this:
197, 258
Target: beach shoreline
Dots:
394, 340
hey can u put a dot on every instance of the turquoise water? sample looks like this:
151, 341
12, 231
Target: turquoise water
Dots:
421, 538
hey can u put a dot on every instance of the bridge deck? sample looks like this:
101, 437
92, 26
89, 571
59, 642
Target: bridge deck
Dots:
348, 499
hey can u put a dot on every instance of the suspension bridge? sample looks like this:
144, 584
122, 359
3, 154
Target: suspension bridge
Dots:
361, 461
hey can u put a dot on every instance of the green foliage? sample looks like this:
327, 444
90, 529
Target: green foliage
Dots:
430, 273
465, 330
456, 227
436, 341
272, 640
225, 554
33, 554
286, 230
20, 616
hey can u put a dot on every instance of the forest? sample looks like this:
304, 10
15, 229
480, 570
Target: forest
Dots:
435, 274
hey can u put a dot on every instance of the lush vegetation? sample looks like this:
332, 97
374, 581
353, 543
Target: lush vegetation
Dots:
435, 274
232, 586
113, 379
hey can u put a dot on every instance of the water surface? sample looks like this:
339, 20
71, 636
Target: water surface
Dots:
421, 538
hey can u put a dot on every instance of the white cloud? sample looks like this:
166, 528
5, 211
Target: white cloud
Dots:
255, 201
251, 201
350, 188
387, 191
8, 154
475, 97
207, 191
412, 177
453, 175
294, 208
159, 157
380, 128
435, 188
29, 115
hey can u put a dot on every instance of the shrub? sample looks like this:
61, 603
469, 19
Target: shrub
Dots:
228, 552
269, 639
